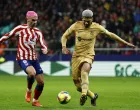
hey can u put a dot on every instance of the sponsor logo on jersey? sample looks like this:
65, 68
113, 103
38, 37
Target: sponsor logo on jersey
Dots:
30, 42
92, 32
81, 39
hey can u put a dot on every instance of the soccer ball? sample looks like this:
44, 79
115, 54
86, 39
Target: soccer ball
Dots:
63, 97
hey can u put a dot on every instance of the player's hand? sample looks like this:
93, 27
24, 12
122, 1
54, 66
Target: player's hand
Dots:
44, 51
131, 45
65, 50
1, 42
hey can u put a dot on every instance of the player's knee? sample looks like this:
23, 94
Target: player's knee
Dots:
86, 67
31, 75
41, 82
79, 89
31, 71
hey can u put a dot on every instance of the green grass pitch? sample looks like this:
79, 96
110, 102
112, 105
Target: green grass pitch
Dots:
118, 93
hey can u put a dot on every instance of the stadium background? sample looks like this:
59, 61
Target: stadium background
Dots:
112, 59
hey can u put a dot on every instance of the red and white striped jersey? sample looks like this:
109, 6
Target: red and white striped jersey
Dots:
27, 40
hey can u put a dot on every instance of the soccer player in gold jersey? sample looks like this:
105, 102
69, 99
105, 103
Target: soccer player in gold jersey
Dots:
85, 32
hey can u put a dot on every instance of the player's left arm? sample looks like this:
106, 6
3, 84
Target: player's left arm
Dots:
116, 37
43, 43
13, 32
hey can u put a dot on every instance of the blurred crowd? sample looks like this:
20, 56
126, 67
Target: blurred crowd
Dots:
121, 17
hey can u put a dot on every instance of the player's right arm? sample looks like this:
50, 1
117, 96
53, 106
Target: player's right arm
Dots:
65, 37
10, 34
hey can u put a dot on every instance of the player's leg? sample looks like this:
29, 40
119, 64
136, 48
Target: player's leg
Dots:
77, 83
76, 74
40, 83
30, 71
84, 77
38, 89
85, 68
30, 77
30, 80
90, 94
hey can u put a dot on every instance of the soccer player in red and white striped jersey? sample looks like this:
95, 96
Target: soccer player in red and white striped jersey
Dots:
28, 36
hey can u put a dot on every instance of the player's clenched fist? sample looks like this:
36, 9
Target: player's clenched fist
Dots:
44, 51
65, 50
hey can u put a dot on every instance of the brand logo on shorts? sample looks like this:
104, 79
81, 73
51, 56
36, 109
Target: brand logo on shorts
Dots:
25, 62
40, 69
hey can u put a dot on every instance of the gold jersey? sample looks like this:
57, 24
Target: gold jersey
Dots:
84, 37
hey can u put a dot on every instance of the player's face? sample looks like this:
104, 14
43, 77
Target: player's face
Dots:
32, 21
87, 21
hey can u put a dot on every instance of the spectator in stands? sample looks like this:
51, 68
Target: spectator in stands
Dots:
121, 16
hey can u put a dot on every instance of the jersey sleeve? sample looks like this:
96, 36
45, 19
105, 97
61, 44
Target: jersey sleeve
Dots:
14, 32
70, 30
102, 29
67, 33
42, 41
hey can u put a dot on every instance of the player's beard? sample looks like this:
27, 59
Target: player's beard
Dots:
87, 24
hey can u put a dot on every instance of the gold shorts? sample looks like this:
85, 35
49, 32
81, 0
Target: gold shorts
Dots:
76, 65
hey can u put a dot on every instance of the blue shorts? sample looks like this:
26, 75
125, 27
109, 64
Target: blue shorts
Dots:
35, 63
